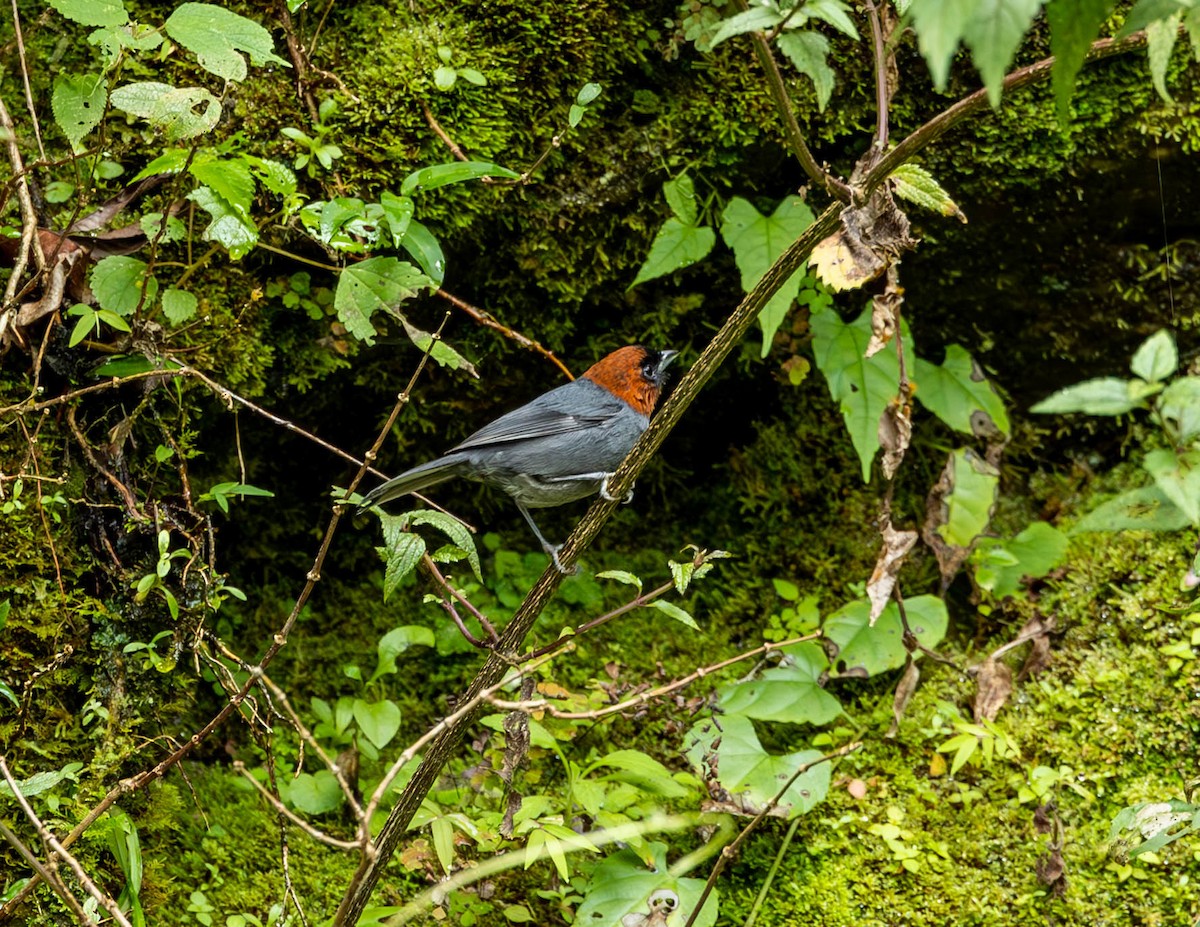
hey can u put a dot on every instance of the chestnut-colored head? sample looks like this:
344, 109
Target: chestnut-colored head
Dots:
634, 374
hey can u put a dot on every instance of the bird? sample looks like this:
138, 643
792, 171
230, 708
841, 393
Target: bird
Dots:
562, 446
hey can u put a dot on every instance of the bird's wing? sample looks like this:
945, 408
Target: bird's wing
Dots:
569, 408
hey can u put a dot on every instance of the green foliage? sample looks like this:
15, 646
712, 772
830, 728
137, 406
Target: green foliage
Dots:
681, 241
626, 884
1000, 564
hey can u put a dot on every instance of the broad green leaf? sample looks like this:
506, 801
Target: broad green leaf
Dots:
376, 283
440, 175
960, 395
315, 793
993, 32
917, 185
275, 176
169, 162
1034, 553
228, 228
1145, 509
641, 770
746, 770
755, 19
444, 78
137, 363
674, 612
862, 386
834, 12
790, 693
1179, 406
178, 305
379, 721
807, 52
92, 12
1178, 478
78, 104
423, 247
1101, 396
398, 211
863, 649
675, 246
1157, 357
181, 112
455, 530
621, 886
1074, 25
396, 642
402, 554
471, 76
1160, 42
229, 178
41, 782
216, 36
118, 281
7, 692
441, 352
85, 325
940, 25
1145, 12
680, 194
972, 496
756, 241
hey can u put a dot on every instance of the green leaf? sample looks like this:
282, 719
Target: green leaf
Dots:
1101, 396
216, 36
1160, 42
960, 395
181, 112
1179, 406
863, 649
424, 248
379, 721
587, 93
442, 353
1074, 25
376, 283
42, 782
807, 52
791, 693
229, 178
756, 241
78, 104
471, 76
315, 793
1178, 478
93, 12
1145, 12
398, 211
622, 884
458, 533
833, 12
917, 185
862, 386
746, 769
1157, 357
974, 486
402, 553
1034, 553
228, 228
396, 642
137, 363
118, 281
440, 175
621, 576
444, 78
5, 608
87, 322
7, 692
59, 191
680, 194
675, 246
640, 770
940, 25
178, 305
674, 612
755, 19
993, 32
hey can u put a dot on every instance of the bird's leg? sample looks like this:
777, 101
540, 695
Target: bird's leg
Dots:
607, 498
551, 549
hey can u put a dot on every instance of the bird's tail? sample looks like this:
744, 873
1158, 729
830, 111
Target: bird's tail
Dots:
414, 480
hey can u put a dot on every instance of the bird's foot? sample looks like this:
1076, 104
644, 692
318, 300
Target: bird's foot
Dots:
558, 564
607, 497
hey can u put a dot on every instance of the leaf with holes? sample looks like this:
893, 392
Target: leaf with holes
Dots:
380, 282
790, 693
216, 36
958, 393
621, 888
181, 112
78, 104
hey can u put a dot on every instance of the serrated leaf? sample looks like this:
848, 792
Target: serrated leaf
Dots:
807, 51
681, 574
993, 32
458, 533
216, 35
441, 352
1074, 25
229, 178
863, 387
917, 185
1101, 396
118, 282
275, 176
940, 25
755, 19
93, 12
181, 112
378, 721
441, 175
789, 694
78, 104
972, 497
364, 287
621, 886
178, 305
675, 246
834, 12
674, 612
1160, 42
960, 395
1145, 12
880, 648
680, 195
228, 228
756, 241
402, 554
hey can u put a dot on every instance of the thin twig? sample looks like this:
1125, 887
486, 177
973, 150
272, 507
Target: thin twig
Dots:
443, 134
318, 835
47, 875
483, 317
29, 103
882, 100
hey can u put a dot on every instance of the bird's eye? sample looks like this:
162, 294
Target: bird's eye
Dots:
648, 370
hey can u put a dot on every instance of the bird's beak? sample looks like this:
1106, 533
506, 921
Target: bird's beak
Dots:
665, 361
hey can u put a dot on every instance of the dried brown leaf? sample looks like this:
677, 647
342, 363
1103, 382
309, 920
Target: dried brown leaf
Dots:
895, 434
904, 693
993, 687
896, 545
950, 557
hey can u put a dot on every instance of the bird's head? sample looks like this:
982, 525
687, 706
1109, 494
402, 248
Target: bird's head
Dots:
635, 374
